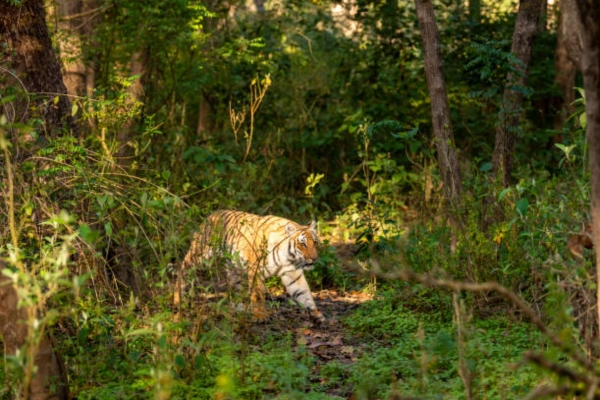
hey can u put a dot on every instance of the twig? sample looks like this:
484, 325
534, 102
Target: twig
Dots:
546, 391
20, 84
11, 201
86, 13
558, 369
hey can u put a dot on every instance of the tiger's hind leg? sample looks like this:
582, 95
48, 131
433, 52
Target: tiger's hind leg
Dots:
256, 286
201, 251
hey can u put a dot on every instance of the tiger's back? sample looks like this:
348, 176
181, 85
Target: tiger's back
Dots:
265, 246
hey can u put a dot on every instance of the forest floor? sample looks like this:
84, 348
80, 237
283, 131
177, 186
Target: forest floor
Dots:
326, 342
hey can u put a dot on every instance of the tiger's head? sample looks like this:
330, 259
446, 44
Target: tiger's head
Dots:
302, 244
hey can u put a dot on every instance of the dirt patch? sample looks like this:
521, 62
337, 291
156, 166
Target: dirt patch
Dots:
327, 342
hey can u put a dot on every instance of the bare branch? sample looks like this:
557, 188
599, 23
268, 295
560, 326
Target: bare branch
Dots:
547, 391
508, 295
558, 369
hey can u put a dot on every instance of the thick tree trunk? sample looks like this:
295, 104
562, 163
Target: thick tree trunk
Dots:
25, 44
442, 127
50, 380
25, 47
589, 12
512, 101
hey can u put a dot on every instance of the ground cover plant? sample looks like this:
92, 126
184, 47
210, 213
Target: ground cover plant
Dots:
319, 111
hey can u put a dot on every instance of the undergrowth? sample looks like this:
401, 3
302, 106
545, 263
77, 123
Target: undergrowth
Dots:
104, 241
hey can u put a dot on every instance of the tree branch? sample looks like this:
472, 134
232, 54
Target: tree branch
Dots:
508, 295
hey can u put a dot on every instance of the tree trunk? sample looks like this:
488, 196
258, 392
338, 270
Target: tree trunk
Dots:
77, 19
70, 47
571, 30
206, 125
589, 14
512, 101
565, 60
136, 92
442, 127
26, 48
25, 44
50, 380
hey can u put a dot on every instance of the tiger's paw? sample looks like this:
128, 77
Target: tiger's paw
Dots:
317, 316
260, 314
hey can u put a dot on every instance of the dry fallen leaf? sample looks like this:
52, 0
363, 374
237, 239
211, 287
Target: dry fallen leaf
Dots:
301, 341
337, 341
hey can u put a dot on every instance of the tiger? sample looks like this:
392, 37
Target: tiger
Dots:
265, 246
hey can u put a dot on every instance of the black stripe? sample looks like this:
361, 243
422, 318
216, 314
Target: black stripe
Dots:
276, 258
298, 293
295, 280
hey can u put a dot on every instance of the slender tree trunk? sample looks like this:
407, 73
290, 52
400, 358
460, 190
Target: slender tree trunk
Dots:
25, 43
210, 27
70, 47
589, 14
77, 19
442, 127
205, 113
512, 101
138, 67
564, 64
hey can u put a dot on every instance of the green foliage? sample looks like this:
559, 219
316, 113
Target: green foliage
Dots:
488, 66
342, 136
416, 354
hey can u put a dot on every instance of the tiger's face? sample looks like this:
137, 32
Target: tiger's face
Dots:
303, 245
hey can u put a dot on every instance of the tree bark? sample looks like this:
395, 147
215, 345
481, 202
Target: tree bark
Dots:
567, 56
25, 44
50, 380
589, 16
512, 101
442, 127
70, 47
571, 30
77, 19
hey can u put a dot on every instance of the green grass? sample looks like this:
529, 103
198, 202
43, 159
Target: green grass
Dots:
397, 349
417, 354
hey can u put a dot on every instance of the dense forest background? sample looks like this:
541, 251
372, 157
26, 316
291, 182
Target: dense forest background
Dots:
468, 279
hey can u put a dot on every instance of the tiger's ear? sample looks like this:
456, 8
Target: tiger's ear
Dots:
313, 225
290, 228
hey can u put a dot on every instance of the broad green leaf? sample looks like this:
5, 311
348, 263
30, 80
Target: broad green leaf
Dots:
504, 193
144, 199
108, 229
485, 167
583, 120
522, 206
87, 233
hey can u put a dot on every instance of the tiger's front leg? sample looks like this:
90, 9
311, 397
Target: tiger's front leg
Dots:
297, 287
